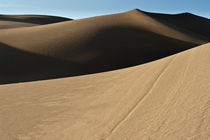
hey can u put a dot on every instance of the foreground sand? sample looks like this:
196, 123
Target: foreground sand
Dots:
164, 99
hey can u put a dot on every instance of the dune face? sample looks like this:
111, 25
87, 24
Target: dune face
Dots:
165, 99
158, 89
90, 45
14, 21
190, 22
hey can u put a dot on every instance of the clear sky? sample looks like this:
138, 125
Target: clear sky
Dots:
86, 8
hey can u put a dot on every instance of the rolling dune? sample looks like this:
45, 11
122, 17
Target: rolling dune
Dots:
15, 21
89, 45
164, 99
193, 23
127, 76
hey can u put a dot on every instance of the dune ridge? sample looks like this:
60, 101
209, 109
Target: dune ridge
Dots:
90, 45
187, 21
15, 21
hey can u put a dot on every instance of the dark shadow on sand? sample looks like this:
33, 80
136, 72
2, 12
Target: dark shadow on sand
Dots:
35, 20
196, 25
114, 48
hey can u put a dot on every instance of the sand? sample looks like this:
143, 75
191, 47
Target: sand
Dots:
90, 45
16, 21
165, 98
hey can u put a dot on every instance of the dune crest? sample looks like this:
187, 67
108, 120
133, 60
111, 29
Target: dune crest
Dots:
190, 22
89, 45
15, 21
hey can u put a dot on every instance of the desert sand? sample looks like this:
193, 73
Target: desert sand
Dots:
127, 76
90, 45
15, 21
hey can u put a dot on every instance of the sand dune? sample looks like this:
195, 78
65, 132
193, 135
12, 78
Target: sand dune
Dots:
164, 99
14, 21
158, 89
89, 45
193, 23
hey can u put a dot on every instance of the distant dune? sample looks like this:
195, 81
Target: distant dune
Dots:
137, 76
193, 23
89, 45
14, 21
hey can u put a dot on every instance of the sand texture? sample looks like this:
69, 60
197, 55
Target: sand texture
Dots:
127, 76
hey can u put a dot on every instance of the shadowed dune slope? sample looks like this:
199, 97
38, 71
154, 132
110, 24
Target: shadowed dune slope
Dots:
164, 99
14, 21
193, 23
88, 46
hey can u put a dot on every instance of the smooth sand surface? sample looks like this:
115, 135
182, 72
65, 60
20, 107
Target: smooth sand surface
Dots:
89, 45
15, 21
137, 76
164, 99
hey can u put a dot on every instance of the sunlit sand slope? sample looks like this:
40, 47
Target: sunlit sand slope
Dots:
164, 99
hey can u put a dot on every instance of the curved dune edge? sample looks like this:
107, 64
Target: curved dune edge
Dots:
17, 21
164, 99
188, 21
90, 45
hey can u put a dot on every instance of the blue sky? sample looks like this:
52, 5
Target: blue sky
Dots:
86, 8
